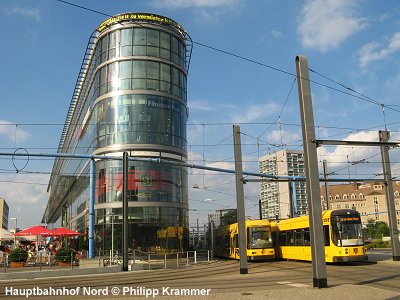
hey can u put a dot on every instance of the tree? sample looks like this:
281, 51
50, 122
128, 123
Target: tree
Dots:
382, 229
228, 218
369, 230
376, 230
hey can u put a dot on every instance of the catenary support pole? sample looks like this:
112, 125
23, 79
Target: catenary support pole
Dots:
125, 212
240, 199
312, 177
325, 166
394, 231
91, 208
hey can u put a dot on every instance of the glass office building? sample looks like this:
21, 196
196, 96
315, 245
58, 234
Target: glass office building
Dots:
130, 96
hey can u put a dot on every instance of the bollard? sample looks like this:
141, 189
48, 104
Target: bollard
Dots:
165, 261
6, 263
208, 255
187, 258
177, 259
72, 260
40, 261
195, 257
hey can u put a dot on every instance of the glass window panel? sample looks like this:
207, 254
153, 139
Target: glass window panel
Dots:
165, 73
139, 37
125, 69
153, 70
112, 77
113, 44
125, 74
165, 76
103, 80
139, 69
165, 41
175, 50
138, 84
153, 84
153, 42
139, 50
126, 42
126, 37
153, 37
165, 54
104, 48
153, 51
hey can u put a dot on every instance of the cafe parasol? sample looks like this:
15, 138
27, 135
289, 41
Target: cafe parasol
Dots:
35, 231
65, 232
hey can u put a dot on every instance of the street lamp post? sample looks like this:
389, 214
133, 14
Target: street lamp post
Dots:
111, 214
15, 231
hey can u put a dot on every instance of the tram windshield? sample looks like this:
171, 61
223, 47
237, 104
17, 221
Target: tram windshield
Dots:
347, 231
259, 238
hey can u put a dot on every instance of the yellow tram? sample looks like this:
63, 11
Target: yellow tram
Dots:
258, 240
342, 237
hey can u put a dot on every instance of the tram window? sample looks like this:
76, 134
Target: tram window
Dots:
236, 241
282, 238
297, 238
306, 237
289, 238
326, 235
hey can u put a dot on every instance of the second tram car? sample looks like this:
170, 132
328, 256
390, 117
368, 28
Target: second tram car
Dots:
258, 240
342, 237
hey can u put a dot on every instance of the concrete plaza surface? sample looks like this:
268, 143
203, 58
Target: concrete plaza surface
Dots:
281, 280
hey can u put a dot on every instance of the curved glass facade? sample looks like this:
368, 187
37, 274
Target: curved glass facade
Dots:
130, 96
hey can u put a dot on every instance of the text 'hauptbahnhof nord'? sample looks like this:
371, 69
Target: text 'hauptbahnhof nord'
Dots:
130, 96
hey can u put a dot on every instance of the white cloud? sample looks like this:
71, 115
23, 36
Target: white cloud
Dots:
253, 113
12, 132
276, 34
286, 137
374, 51
29, 13
325, 24
200, 105
365, 160
194, 3
26, 196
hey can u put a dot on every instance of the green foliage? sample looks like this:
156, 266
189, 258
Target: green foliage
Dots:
83, 243
18, 255
65, 254
378, 244
382, 230
229, 218
376, 230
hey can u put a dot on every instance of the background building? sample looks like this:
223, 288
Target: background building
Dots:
4, 211
130, 96
368, 198
276, 197
219, 214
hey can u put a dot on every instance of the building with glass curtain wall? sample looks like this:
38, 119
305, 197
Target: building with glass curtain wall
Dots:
130, 96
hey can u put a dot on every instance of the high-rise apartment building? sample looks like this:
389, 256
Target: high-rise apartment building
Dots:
4, 212
283, 199
130, 96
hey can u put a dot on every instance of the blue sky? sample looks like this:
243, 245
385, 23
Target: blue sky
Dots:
352, 42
